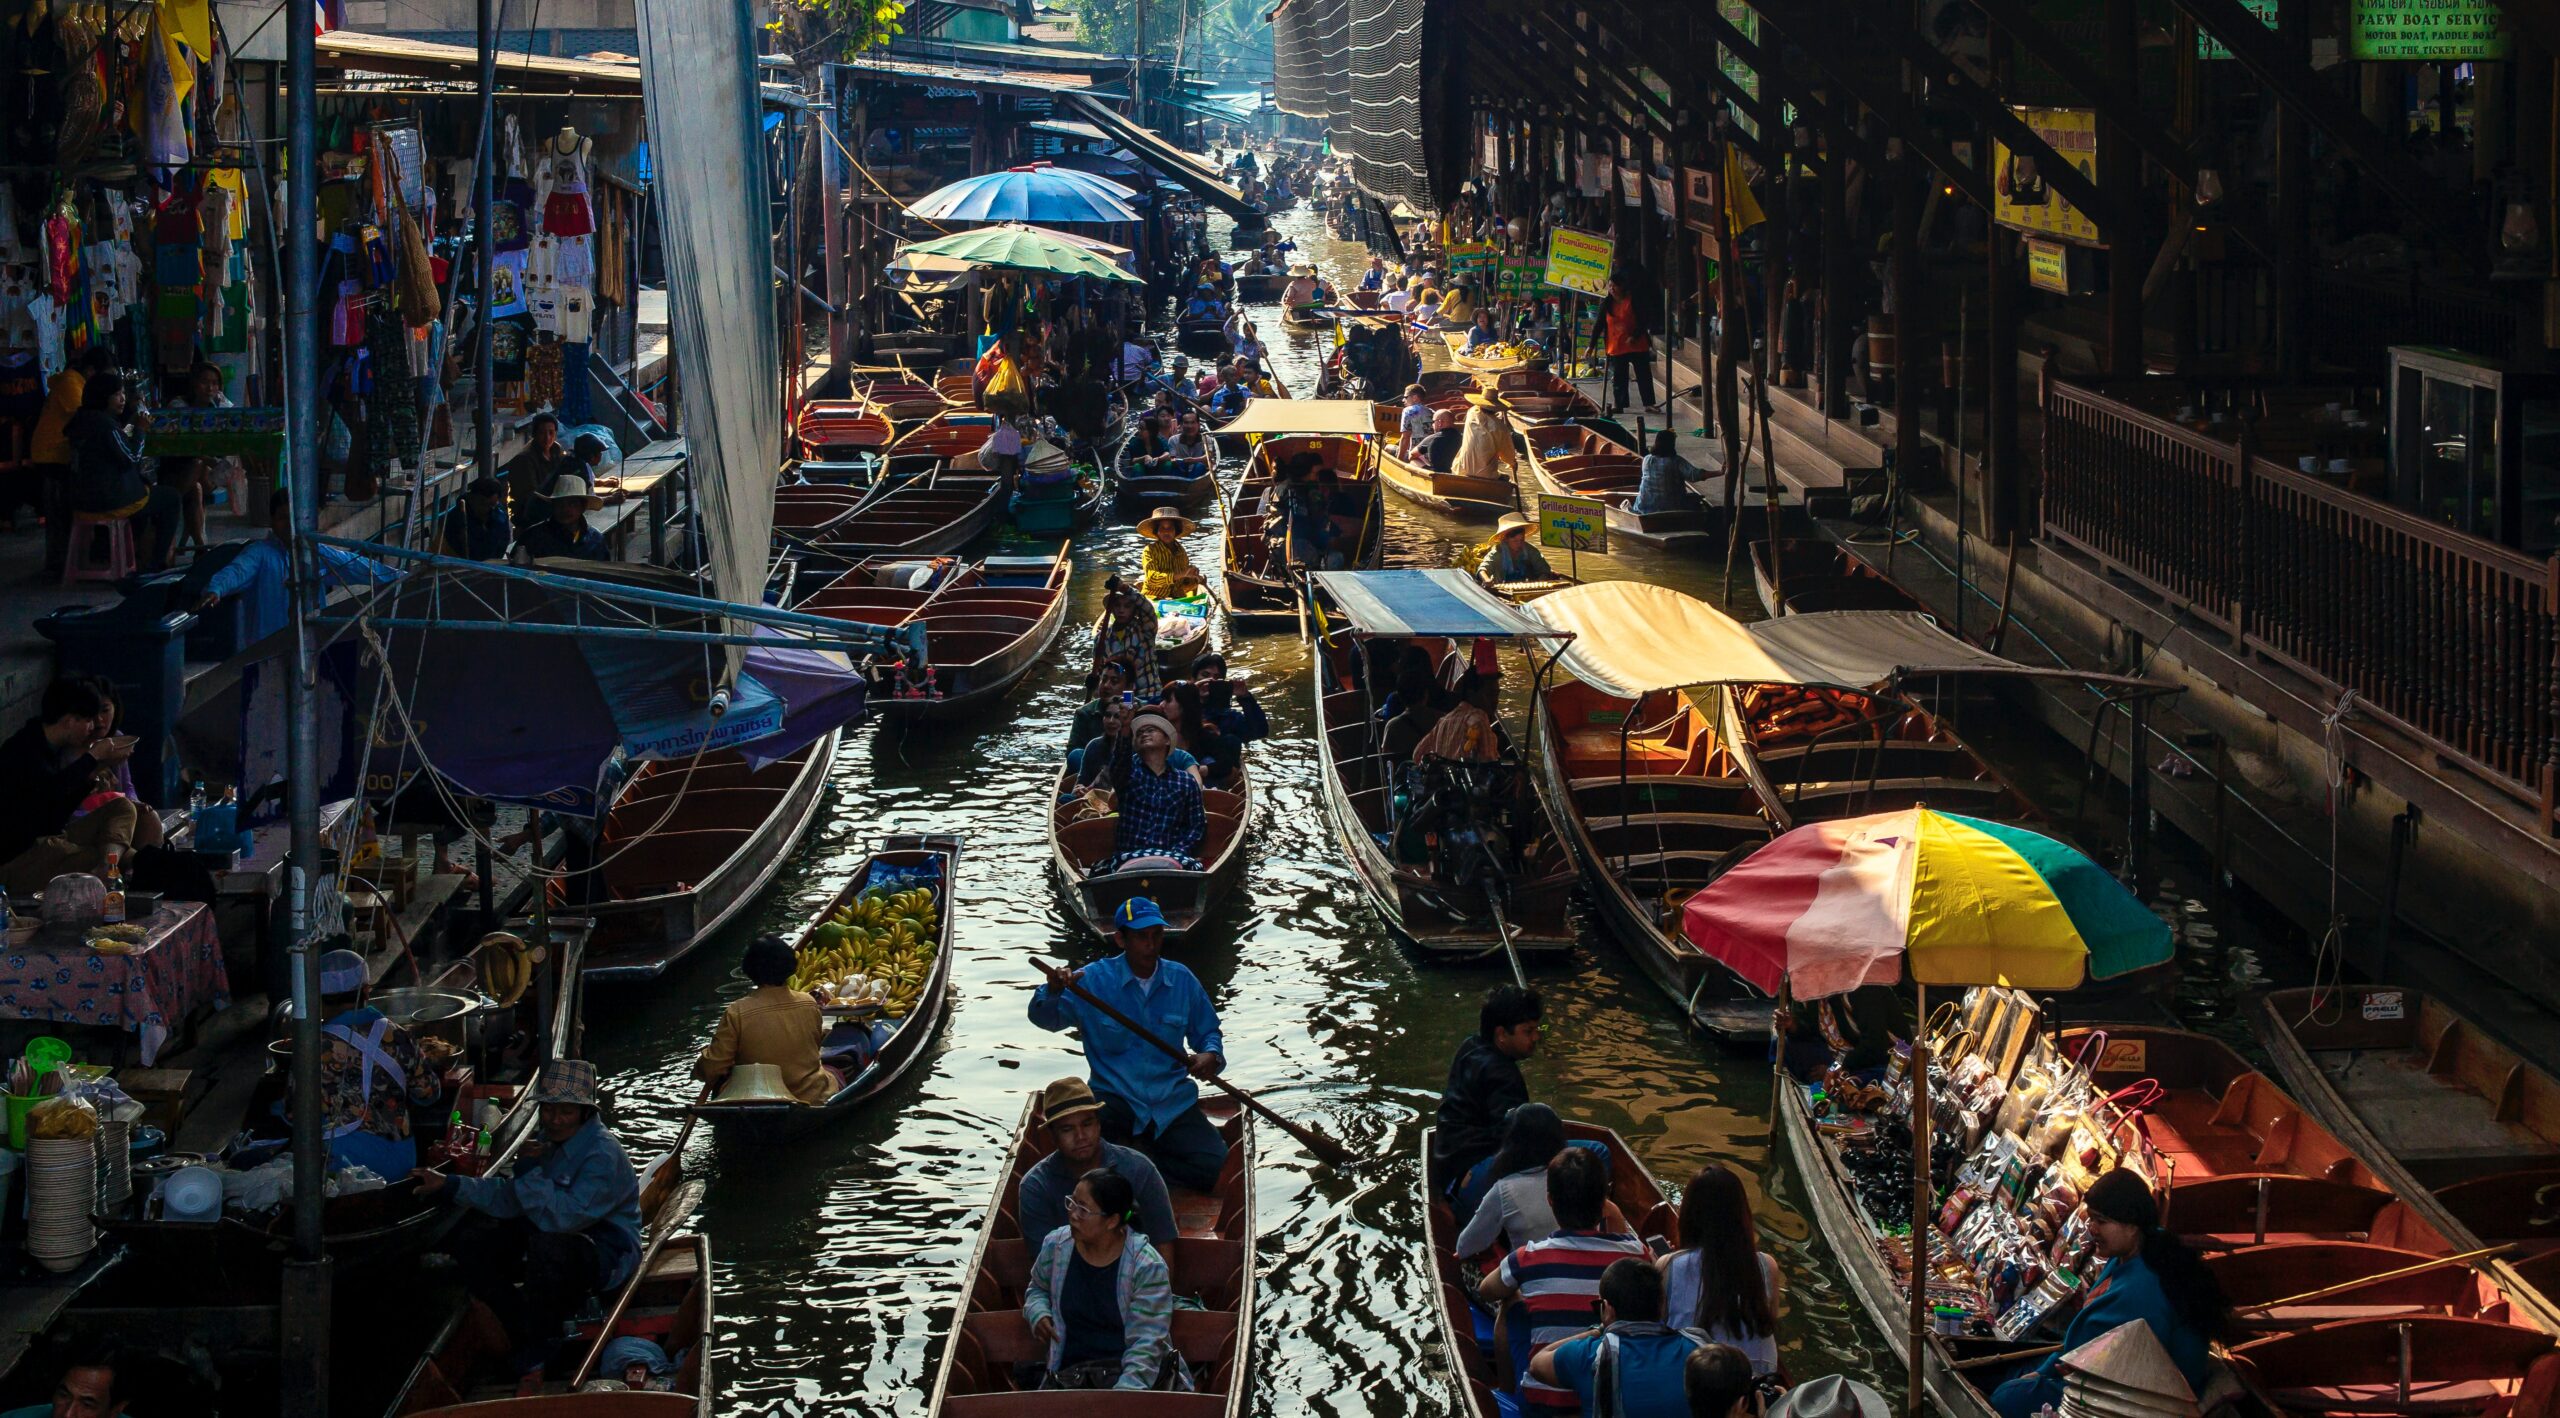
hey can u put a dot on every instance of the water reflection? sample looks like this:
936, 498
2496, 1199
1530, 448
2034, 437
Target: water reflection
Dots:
839, 1259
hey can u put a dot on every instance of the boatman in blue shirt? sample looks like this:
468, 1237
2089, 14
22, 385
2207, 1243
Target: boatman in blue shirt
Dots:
1149, 1100
257, 573
567, 1224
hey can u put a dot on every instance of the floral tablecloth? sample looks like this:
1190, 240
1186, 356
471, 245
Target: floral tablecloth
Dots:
147, 993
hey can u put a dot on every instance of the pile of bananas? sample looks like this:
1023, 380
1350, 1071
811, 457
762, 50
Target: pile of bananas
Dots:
876, 951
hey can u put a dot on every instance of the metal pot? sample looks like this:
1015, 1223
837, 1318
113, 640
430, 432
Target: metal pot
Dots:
453, 1015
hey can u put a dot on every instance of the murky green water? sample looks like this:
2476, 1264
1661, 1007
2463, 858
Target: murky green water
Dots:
839, 1260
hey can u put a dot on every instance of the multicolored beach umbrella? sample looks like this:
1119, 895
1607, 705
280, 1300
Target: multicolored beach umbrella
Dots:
1926, 896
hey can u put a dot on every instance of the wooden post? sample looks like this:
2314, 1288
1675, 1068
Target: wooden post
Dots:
2120, 179
2293, 202
1773, 242
1915, 1400
1836, 312
1906, 325
2003, 491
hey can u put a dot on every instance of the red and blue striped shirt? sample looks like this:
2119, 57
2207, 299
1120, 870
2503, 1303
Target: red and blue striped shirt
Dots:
1558, 1282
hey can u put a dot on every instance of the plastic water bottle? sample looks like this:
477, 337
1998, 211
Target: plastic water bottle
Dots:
4, 913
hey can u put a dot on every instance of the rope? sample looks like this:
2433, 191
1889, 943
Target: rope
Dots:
903, 209
2329, 955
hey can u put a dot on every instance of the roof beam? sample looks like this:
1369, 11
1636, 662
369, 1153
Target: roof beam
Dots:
2536, 20
1890, 109
1764, 149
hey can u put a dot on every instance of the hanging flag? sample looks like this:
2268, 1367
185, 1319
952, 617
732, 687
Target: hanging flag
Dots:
327, 15
1741, 209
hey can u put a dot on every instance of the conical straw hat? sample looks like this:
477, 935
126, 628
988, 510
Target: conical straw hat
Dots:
2125, 1370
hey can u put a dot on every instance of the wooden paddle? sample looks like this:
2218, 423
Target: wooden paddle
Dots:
1332, 1153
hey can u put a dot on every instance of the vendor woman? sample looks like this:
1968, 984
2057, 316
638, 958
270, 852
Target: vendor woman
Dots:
370, 1074
2149, 1276
1169, 572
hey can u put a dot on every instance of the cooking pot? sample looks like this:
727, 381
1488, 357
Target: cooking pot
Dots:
455, 1016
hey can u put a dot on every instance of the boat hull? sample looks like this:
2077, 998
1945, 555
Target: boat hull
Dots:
1447, 492
1185, 897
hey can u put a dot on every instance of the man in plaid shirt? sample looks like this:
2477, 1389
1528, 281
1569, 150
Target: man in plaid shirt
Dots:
1160, 808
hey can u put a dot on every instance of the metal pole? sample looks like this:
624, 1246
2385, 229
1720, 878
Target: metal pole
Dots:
305, 1308
484, 200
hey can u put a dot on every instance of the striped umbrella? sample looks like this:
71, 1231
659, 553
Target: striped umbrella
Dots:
1037, 193
1931, 896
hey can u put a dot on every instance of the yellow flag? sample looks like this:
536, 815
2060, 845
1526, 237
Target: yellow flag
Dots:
1741, 209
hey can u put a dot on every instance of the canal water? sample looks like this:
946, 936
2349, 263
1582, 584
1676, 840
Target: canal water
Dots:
839, 1259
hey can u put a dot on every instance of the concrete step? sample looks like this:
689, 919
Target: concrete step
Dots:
1827, 464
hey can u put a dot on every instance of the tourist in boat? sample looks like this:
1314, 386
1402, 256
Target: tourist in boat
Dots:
1073, 1116
1512, 557
1228, 399
1720, 1281
1631, 1364
1557, 1279
1218, 756
1485, 1084
1301, 290
771, 1024
1514, 1211
1487, 445
1190, 446
1229, 702
1426, 308
1414, 424
1719, 1383
1418, 702
477, 530
1249, 350
1439, 451
1465, 733
1375, 278
1459, 310
1160, 813
1149, 1100
1166, 571
1481, 334
1134, 362
1129, 635
565, 533
1150, 452
1662, 481
1399, 298
1101, 1297
91, 1385
371, 1073
560, 1231
1107, 683
2150, 1275
1204, 308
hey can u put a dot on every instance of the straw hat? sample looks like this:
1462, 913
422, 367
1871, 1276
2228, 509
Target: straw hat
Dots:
2125, 1373
1155, 720
1512, 522
1483, 400
1066, 1098
755, 1083
1831, 1396
1183, 526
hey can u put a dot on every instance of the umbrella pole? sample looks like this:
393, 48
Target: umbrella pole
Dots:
1914, 1399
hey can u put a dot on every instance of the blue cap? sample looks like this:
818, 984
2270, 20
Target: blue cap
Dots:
1137, 914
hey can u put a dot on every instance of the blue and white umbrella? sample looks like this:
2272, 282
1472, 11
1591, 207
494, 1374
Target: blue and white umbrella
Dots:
1037, 193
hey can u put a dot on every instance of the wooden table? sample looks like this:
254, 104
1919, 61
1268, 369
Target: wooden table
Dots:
149, 992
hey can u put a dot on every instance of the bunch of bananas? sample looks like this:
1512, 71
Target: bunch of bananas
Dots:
878, 950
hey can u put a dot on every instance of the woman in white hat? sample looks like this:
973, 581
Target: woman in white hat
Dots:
1168, 570
1511, 557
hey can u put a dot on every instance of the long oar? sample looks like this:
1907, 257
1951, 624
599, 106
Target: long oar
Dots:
1511, 948
1331, 1152
2325, 1291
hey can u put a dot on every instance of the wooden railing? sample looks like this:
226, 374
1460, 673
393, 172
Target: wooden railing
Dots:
2454, 638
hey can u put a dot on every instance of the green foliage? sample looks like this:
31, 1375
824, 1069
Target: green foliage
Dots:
848, 27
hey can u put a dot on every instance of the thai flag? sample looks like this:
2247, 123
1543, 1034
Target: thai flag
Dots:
327, 15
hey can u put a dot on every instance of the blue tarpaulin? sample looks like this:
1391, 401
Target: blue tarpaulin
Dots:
1404, 604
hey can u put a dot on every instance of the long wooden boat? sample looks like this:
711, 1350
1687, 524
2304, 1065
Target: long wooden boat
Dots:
949, 435
686, 847
888, 1059
1822, 575
903, 400
1181, 636
1079, 844
466, 1374
987, 626
810, 510
1260, 595
841, 428
1530, 892
1157, 489
1310, 317
1452, 493
1537, 395
1468, 1333
1261, 285
1820, 754
1482, 365
1212, 1262
1654, 806
1573, 460
1203, 337
928, 514
1523, 592
2457, 1124
2280, 1207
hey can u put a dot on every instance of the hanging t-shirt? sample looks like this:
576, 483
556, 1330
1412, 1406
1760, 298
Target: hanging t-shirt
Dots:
577, 316
506, 284
507, 341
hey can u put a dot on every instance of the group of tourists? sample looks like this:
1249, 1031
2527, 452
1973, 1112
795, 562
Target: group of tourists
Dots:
1147, 749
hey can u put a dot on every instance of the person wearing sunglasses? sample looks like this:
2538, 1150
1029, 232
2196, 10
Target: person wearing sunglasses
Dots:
1101, 1297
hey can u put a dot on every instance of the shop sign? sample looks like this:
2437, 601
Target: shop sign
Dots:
2428, 31
1576, 524
1579, 260
1470, 258
1519, 275
2049, 266
1662, 203
2022, 198
1631, 186
2263, 11
1699, 197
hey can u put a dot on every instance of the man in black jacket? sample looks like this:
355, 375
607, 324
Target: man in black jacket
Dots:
46, 769
1484, 1086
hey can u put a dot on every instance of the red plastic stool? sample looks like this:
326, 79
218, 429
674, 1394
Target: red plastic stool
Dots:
81, 564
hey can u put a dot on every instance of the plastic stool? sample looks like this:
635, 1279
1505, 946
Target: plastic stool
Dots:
79, 565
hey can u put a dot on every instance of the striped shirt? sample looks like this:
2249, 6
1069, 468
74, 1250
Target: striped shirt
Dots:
1558, 1282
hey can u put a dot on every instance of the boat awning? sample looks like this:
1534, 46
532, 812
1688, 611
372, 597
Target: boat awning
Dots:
531, 74
1312, 416
1631, 638
1399, 605
1173, 162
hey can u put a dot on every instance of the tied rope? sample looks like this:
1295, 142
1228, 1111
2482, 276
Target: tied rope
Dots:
2328, 957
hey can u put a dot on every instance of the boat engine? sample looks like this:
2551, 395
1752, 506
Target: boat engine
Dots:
1453, 819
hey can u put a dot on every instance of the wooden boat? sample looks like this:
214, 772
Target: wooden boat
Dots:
1575, 461
1203, 337
1452, 493
903, 400
926, 514
1822, 575
959, 391
1820, 754
1523, 592
1538, 395
895, 1056
1530, 888
1260, 596
2280, 1207
1262, 285
1158, 490
686, 847
1478, 364
987, 626
1182, 632
1212, 1261
946, 437
1310, 317
1467, 1332
2458, 1125
1078, 844
810, 510
1075, 503
1654, 806
466, 1373
841, 428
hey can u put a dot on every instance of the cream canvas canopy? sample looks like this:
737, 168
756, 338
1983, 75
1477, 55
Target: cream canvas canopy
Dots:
1631, 638
1284, 416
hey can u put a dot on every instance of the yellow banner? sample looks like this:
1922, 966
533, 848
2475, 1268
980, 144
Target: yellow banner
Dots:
2022, 198
1572, 523
1579, 260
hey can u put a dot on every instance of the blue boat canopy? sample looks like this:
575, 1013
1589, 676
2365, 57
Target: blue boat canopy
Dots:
1402, 604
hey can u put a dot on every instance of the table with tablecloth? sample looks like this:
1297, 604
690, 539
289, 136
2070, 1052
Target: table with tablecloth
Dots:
150, 992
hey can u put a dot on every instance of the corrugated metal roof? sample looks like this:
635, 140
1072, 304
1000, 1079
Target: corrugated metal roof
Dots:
963, 76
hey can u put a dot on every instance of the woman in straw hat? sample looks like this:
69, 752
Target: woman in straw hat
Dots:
1487, 445
1168, 572
1511, 558
2150, 1275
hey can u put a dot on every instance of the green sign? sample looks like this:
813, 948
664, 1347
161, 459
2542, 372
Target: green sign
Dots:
2207, 47
2428, 31
1741, 16
1471, 258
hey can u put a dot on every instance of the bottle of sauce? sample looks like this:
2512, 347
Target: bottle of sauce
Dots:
113, 913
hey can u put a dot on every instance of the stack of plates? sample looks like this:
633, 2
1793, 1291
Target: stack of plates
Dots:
62, 1186
115, 1165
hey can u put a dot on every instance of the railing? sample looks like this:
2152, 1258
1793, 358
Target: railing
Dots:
2455, 638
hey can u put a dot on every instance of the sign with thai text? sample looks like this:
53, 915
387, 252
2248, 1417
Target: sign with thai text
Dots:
1573, 523
1470, 258
1579, 260
2022, 198
2430, 31
2049, 266
2207, 47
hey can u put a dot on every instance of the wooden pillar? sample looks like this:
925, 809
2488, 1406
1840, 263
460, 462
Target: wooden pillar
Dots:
2293, 202
1907, 285
2004, 494
1836, 310
1773, 242
2120, 178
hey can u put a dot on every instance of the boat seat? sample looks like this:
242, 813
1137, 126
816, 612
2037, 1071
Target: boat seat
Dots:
2443, 1351
1003, 1338
1008, 1264
1205, 1266
2293, 1206
1090, 840
1204, 1338
2260, 1275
